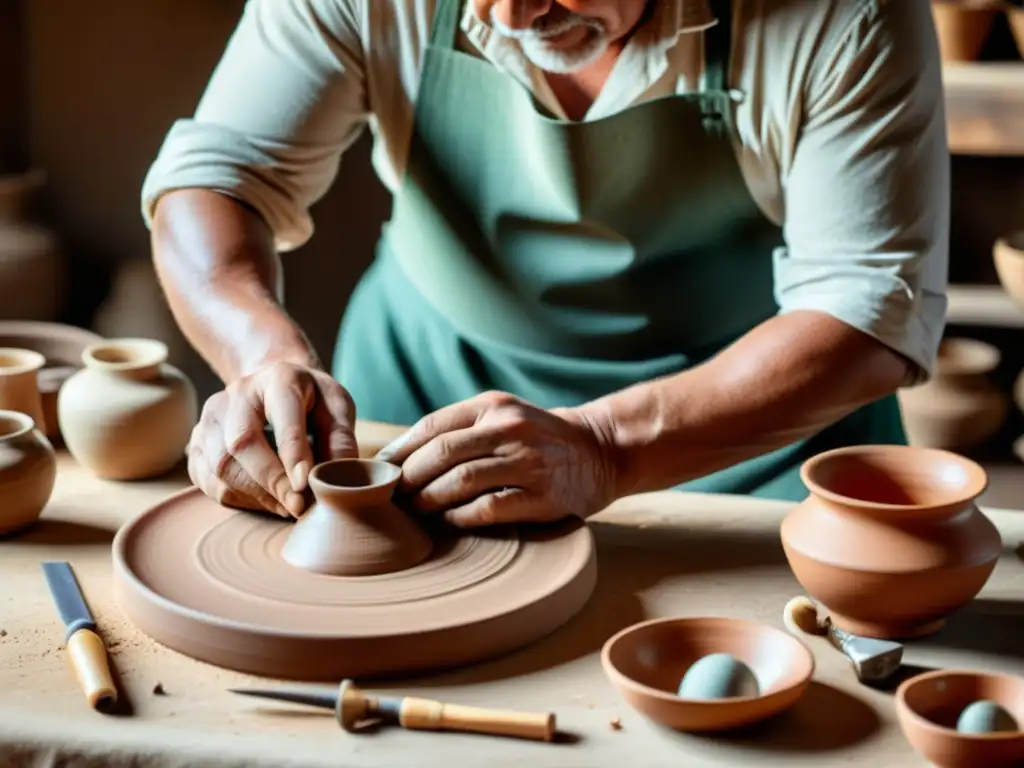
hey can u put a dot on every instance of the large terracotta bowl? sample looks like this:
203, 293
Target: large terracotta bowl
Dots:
1008, 257
646, 662
928, 705
890, 539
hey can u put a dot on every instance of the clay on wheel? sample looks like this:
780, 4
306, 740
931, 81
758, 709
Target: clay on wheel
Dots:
212, 583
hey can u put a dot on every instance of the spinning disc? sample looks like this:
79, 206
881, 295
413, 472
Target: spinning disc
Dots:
210, 582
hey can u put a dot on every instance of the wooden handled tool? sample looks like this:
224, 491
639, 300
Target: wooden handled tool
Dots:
86, 650
353, 707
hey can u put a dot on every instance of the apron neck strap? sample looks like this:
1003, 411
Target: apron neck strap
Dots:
445, 24
718, 47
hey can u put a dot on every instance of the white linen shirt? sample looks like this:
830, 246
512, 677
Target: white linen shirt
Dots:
840, 119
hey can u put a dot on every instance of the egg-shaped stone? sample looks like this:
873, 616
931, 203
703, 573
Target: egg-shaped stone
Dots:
985, 717
718, 676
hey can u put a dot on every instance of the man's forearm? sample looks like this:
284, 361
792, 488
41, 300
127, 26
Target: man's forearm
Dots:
785, 380
216, 261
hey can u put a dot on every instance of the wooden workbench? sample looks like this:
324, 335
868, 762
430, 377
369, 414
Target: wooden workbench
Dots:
661, 554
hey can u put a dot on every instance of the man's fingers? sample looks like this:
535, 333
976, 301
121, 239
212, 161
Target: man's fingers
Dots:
465, 482
445, 452
509, 505
225, 482
247, 444
286, 405
334, 418
459, 415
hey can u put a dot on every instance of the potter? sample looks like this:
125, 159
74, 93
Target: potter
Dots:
635, 244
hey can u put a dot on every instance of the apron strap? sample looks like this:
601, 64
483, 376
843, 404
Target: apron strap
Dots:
445, 23
718, 47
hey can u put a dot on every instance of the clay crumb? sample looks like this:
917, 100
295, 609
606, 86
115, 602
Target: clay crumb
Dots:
158, 690
3, 633
615, 723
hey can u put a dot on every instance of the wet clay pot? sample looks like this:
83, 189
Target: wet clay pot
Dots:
960, 408
1008, 257
354, 528
28, 469
127, 414
963, 27
19, 383
890, 540
31, 264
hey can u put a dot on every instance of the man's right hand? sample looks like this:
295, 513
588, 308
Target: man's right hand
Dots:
230, 458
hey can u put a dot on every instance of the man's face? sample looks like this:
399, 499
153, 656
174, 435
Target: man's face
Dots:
561, 36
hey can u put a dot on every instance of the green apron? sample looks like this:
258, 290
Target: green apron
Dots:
561, 261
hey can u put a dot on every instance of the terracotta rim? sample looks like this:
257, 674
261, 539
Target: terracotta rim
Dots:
15, 360
929, 725
21, 424
1012, 244
976, 485
959, 356
388, 471
625, 681
125, 354
139, 587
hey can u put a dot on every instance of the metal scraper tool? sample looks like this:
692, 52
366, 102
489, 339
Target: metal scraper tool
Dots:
86, 651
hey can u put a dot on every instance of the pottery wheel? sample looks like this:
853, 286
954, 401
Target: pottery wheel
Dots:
210, 582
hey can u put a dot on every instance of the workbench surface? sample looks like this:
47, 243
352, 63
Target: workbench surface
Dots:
659, 555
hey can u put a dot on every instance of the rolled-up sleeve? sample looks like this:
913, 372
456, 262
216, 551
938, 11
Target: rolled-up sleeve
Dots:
867, 194
285, 101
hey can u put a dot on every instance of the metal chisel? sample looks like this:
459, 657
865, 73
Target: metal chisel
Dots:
85, 647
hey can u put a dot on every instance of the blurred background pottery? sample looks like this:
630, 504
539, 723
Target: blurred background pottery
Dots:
19, 382
31, 264
890, 539
647, 662
127, 414
928, 706
961, 407
28, 469
62, 346
963, 26
1008, 257
1015, 17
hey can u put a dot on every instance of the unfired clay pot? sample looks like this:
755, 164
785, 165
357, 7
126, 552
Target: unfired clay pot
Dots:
963, 26
890, 540
960, 408
127, 414
1008, 256
31, 265
354, 529
19, 383
28, 469
928, 705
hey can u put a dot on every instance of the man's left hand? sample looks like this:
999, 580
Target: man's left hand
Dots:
497, 459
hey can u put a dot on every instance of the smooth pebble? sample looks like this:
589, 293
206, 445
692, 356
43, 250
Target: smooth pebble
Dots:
718, 676
985, 717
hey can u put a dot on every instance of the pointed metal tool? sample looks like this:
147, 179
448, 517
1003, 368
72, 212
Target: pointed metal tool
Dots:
352, 707
85, 647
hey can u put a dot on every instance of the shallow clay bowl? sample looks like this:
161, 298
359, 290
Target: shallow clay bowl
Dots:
647, 661
928, 706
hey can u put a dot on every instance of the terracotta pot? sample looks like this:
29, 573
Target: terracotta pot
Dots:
890, 540
19, 382
963, 27
1015, 17
928, 705
354, 529
28, 469
31, 265
960, 408
127, 414
1008, 256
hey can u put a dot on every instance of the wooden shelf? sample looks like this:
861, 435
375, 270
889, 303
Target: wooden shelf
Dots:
985, 108
983, 305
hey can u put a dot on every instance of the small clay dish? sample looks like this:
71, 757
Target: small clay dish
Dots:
647, 661
928, 706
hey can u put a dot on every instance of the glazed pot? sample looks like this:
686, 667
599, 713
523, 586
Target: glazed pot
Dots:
354, 528
28, 469
963, 27
1008, 257
19, 383
960, 408
890, 539
31, 264
127, 414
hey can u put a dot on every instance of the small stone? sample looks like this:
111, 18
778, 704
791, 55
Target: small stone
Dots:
616, 724
985, 717
718, 676
158, 690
